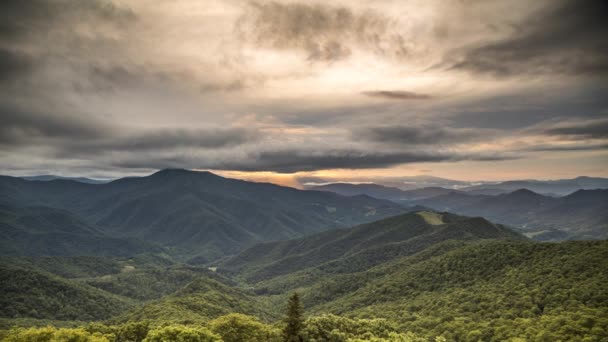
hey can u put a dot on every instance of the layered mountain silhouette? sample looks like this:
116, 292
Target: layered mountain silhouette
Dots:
418, 188
381, 191
195, 213
580, 215
559, 187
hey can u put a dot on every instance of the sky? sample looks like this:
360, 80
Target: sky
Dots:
305, 91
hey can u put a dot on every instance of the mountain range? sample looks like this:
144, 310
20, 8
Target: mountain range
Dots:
44, 178
195, 214
422, 187
428, 273
364, 246
580, 215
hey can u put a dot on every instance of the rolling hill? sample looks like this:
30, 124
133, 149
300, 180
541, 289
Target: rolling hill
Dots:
199, 301
32, 293
362, 247
491, 285
38, 231
431, 273
490, 291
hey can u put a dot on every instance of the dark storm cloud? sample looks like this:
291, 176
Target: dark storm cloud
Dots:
164, 140
567, 37
397, 95
88, 137
325, 33
24, 128
197, 138
13, 64
303, 160
174, 141
19, 19
297, 159
58, 36
568, 147
597, 129
417, 135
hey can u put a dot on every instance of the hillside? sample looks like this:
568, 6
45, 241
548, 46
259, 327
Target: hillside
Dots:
491, 287
38, 231
493, 290
27, 292
93, 288
433, 274
199, 213
199, 301
362, 247
581, 215
489, 290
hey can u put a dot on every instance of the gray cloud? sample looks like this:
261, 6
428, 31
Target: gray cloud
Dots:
567, 37
418, 135
196, 138
59, 37
596, 129
20, 19
24, 128
104, 85
72, 135
325, 33
13, 64
568, 147
297, 159
163, 140
397, 95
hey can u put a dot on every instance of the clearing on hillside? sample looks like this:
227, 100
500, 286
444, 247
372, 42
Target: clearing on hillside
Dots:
431, 217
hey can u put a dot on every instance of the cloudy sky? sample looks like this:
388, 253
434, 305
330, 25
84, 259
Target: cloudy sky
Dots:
292, 90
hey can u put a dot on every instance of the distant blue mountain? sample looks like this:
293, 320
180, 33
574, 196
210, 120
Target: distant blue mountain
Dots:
45, 178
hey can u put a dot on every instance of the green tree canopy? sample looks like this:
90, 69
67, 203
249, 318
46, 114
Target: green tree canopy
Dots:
294, 322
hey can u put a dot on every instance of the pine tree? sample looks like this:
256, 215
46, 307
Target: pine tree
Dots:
294, 321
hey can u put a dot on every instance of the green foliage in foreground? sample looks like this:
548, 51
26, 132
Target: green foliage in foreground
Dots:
229, 328
181, 334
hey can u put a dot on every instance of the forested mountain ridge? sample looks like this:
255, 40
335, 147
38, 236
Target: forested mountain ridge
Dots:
199, 213
472, 280
38, 231
363, 246
489, 290
31, 293
493, 290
